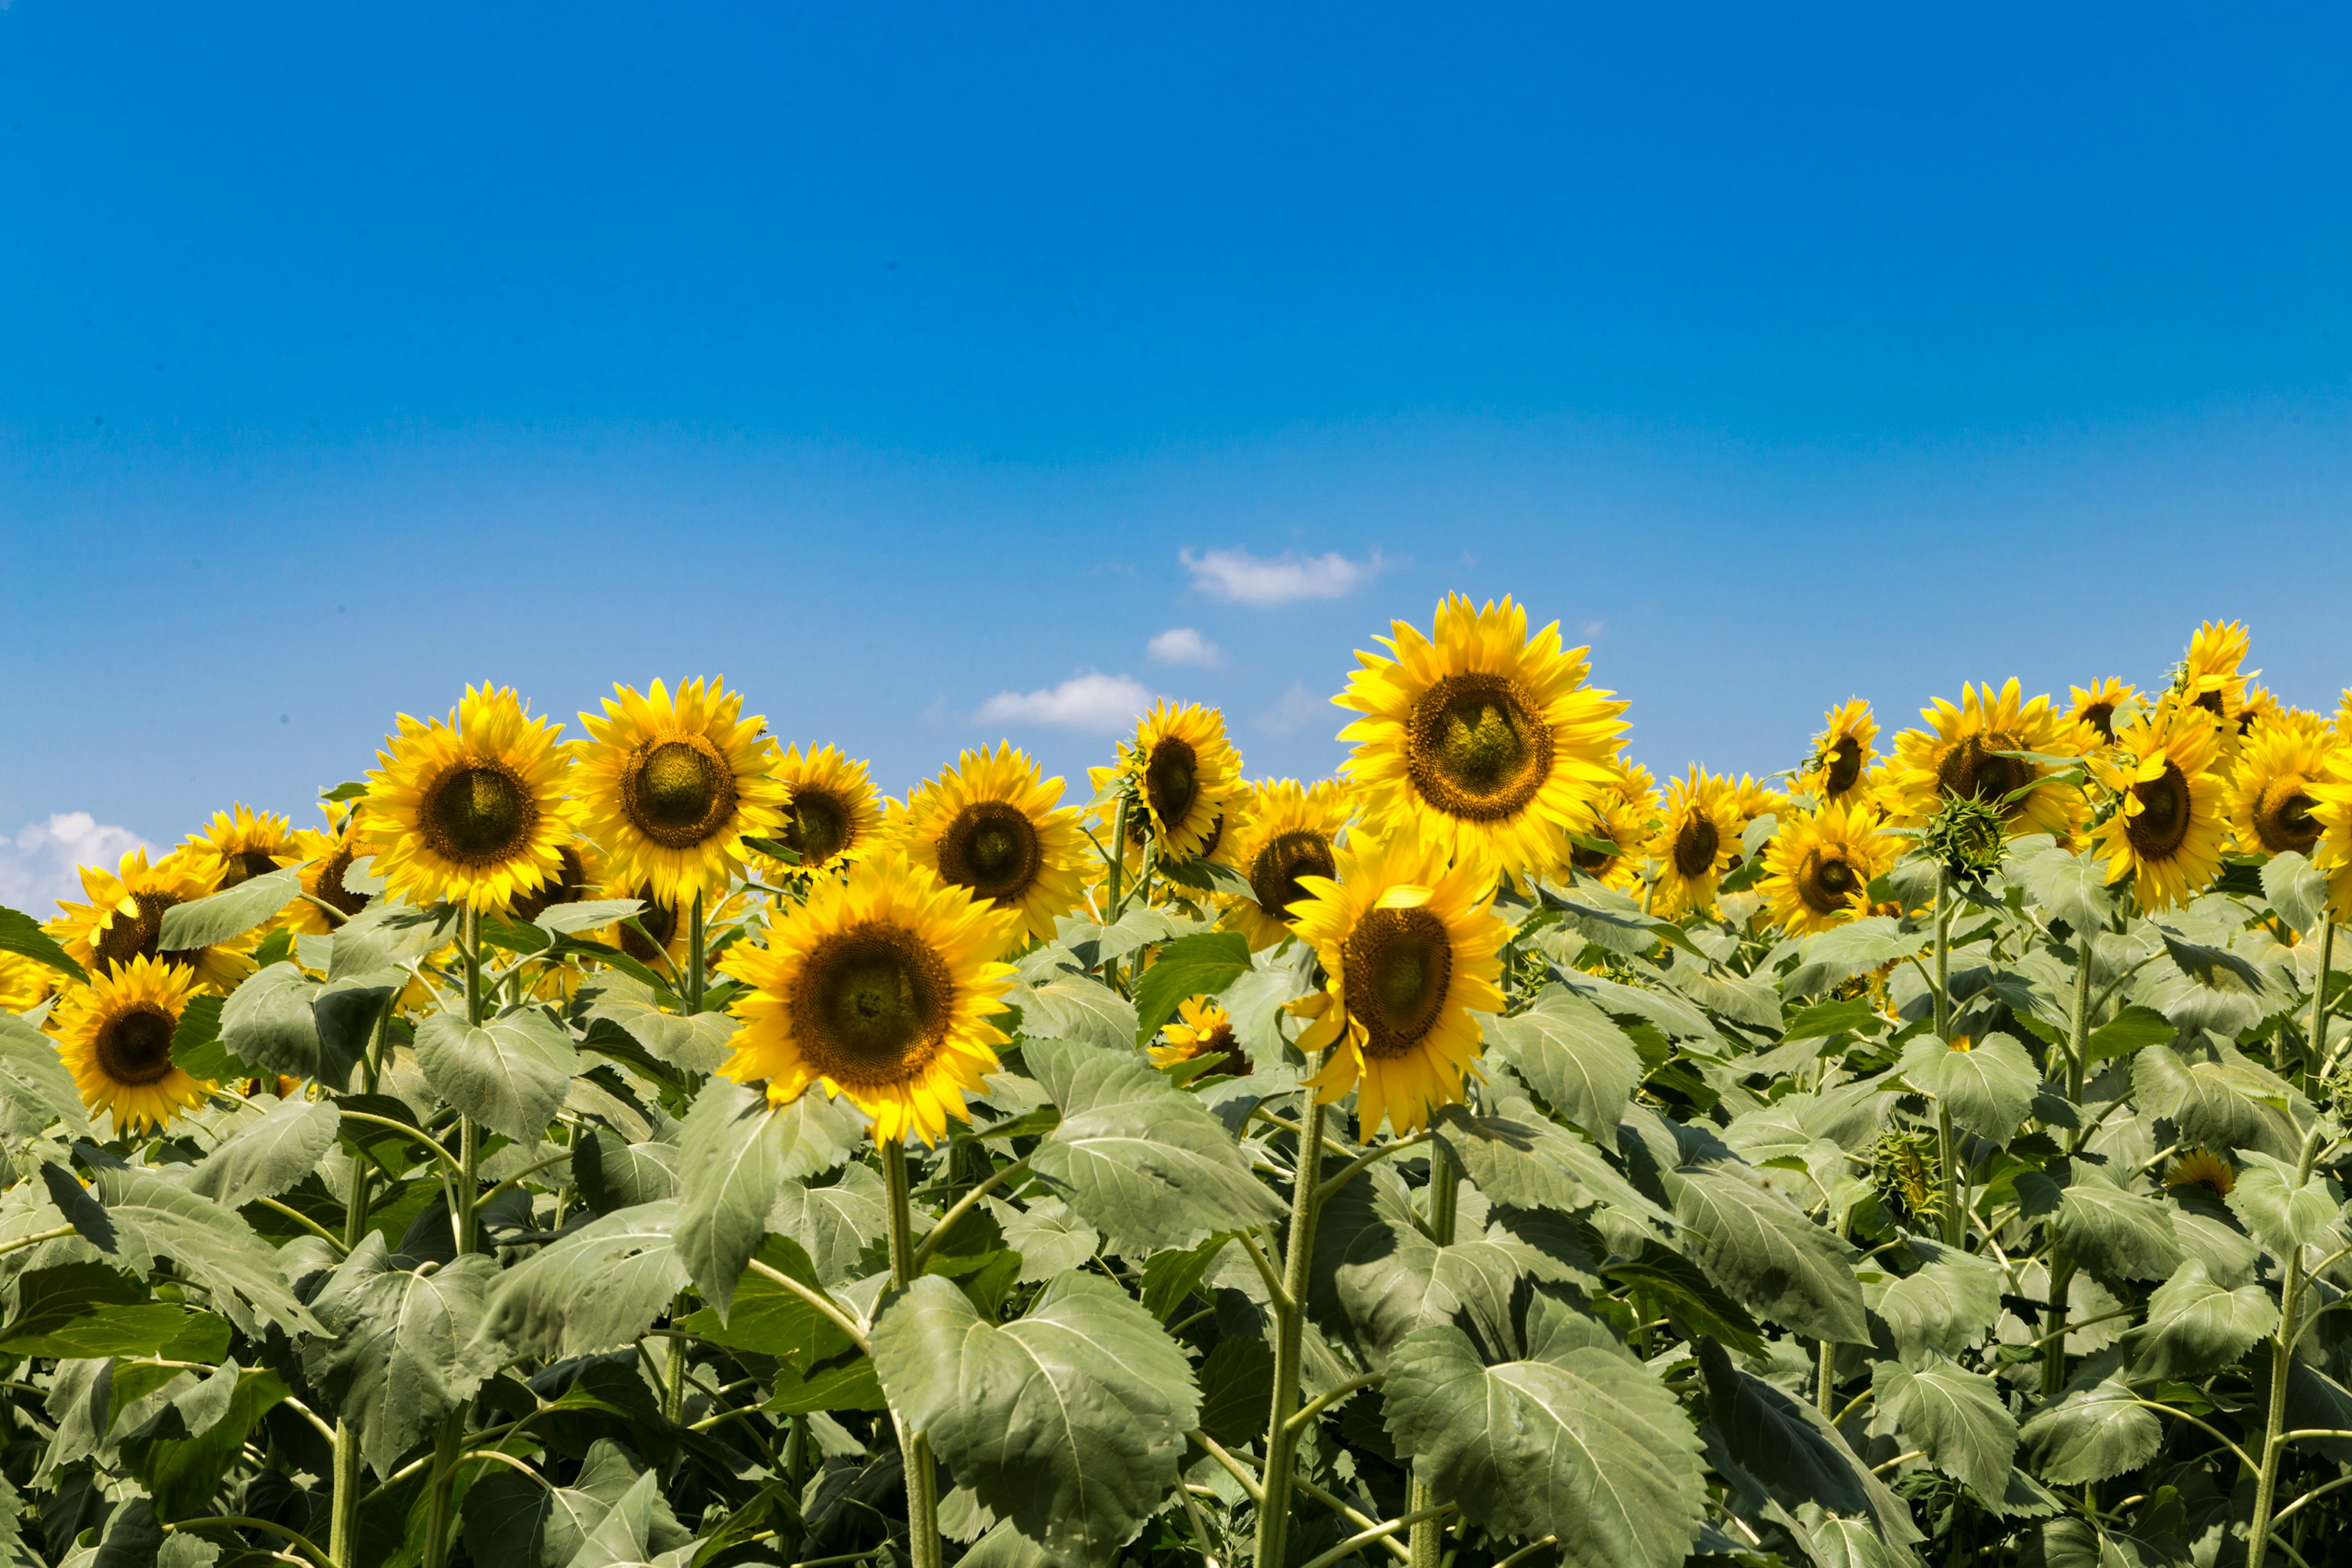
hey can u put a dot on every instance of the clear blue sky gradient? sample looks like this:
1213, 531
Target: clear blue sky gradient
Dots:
885, 359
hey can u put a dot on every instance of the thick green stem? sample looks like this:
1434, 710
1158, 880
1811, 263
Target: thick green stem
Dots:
1955, 1230
441, 1510
2319, 995
2258, 1534
1426, 1546
923, 1546
1281, 1441
343, 1539
1114, 878
2061, 1268
698, 961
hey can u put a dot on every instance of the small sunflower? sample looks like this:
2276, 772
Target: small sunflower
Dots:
1610, 819
24, 984
1480, 737
880, 987
2209, 677
1202, 1028
1751, 799
1189, 777
1697, 843
2102, 705
1820, 865
124, 917
2261, 703
833, 817
2202, 1168
1410, 949
2270, 799
991, 826
2167, 827
470, 808
246, 843
115, 1037
1961, 753
1843, 753
329, 853
1288, 831
669, 785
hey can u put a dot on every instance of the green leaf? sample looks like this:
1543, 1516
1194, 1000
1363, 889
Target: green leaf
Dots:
1989, 1087
773, 1321
1137, 1158
2127, 1032
615, 1174
2071, 886
1069, 1421
834, 1224
2114, 1234
1568, 1051
197, 1048
1767, 1255
2195, 1326
2092, 1434
402, 1349
1955, 1415
74, 1310
1208, 877
1236, 1391
516, 1522
266, 1156
2284, 1209
602, 1285
267, 1021
202, 922
36, 1089
1824, 1020
1578, 1440
1377, 1277
21, 934
698, 1043
1792, 1450
730, 1167
1203, 964
2209, 1104
1079, 1009
1831, 957
1518, 1156
2296, 889
1049, 1238
151, 1218
1691, 1301
185, 1448
1949, 1303
509, 1074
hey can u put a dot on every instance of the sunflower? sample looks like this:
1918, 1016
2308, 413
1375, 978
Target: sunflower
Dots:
2209, 677
2167, 827
1751, 799
2202, 1168
1480, 737
833, 816
669, 785
579, 870
1410, 950
115, 1037
1188, 774
1843, 753
471, 808
1696, 843
1610, 819
1960, 754
24, 984
329, 854
124, 917
990, 824
246, 843
880, 987
2270, 800
1287, 831
2260, 703
2101, 705
1202, 1028
1820, 865
2331, 794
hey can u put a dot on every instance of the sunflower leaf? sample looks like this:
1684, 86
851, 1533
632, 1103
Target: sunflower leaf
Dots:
269, 1022
508, 1073
401, 1350
2195, 1325
265, 1157
730, 1166
201, 922
697, 1043
1197, 965
2092, 1434
2071, 886
1766, 1254
2296, 889
21, 934
1989, 1086
149, 1217
35, 1089
2284, 1209
1956, 1416
1572, 1054
601, 1287
2114, 1234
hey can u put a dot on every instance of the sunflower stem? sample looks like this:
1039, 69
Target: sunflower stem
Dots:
923, 1545
2281, 1349
342, 1538
1281, 1440
1426, 1546
1953, 1230
1114, 880
696, 965
2319, 992
2061, 1268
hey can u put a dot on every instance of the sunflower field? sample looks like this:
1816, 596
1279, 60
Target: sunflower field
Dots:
654, 1146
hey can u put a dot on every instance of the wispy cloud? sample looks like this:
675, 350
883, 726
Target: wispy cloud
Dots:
1297, 709
1103, 704
1182, 645
37, 867
1244, 579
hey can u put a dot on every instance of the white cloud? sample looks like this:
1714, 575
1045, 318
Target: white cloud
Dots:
1298, 708
1182, 645
37, 867
1088, 700
1593, 630
1241, 577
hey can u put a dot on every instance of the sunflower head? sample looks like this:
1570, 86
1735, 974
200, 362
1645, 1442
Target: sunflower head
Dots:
471, 808
1696, 841
2202, 1168
1186, 776
2166, 831
670, 784
1970, 751
1202, 1029
1966, 837
2209, 678
2102, 706
880, 987
991, 826
244, 843
1480, 737
329, 854
1820, 865
832, 815
2270, 799
1906, 1171
115, 1037
124, 917
1286, 832
579, 870
1842, 753
24, 984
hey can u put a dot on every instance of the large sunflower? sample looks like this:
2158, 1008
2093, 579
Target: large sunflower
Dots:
1481, 737
124, 917
471, 808
880, 987
1188, 776
1696, 842
990, 824
669, 785
2209, 677
1287, 831
2168, 825
1960, 754
2102, 705
1820, 865
246, 843
24, 984
329, 853
833, 816
1409, 948
1843, 753
115, 1037
2270, 799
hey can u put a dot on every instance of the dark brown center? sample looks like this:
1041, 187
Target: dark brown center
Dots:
480, 815
818, 827
1476, 748
871, 1005
2158, 828
2283, 818
1695, 844
1172, 781
1275, 869
1844, 764
992, 848
677, 792
1399, 966
135, 1048
1972, 768
1826, 882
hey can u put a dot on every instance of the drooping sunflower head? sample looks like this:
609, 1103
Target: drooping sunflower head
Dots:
670, 784
1696, 841
115, 1037
1287, 832
2209, 678
1480, 738
1820, 865
832, 815
471, 808
1202, 1028
244, 843
1842, 753
2202, 1168
124, 917
2166, 828
329, 854
1971, 750
2270, 798
24, 984
880, 987
991, 826
1410, 952
2103, 705
1187, 776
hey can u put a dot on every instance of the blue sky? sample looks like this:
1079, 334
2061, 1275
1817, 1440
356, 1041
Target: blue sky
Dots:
904, 364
